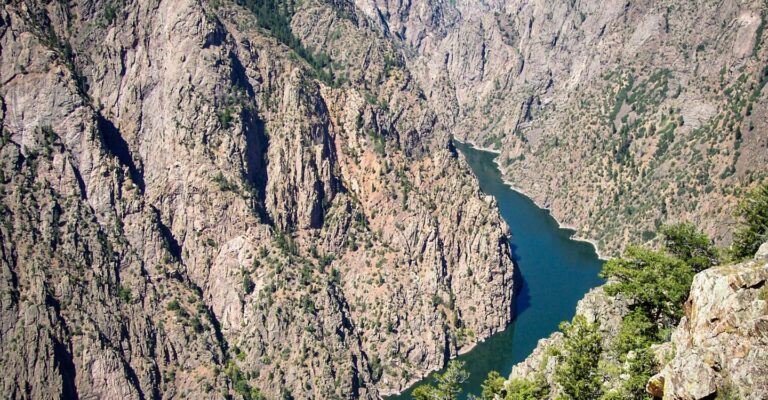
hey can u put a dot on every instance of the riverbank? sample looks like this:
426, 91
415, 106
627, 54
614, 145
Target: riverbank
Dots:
411, 384
509, 183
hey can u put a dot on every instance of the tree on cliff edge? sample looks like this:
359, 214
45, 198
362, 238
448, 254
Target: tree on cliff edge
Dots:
753, 225
577, 372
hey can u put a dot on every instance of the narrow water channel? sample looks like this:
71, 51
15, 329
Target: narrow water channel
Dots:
556, 272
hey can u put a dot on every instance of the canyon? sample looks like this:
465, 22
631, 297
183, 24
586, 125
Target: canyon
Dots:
652, 112
261, 199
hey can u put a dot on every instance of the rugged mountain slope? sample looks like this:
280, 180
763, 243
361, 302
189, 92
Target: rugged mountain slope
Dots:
188, 211
644, 110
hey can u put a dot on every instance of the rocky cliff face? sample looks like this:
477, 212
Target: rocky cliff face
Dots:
187, 211
721, 345
652, 112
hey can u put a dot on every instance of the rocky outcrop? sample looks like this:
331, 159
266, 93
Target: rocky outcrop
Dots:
721, 345
188, 211
762, 252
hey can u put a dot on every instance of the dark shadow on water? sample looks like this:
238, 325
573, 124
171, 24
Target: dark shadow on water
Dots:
522, 298
513, 251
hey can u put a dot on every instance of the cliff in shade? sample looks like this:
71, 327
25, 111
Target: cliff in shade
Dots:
617, 115
189, 210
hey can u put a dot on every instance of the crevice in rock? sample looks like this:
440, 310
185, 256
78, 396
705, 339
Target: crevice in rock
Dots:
118, 147
156, 378
133, 378
356, 378
385, 24
80, 182
171, 244
10, 260
256, 145
63, 362
452, 148
483, 59
446, 346
317, 215
215, 37
239, 76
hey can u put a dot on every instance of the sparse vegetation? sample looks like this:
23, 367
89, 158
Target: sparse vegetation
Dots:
240, 383
275, 16
124, 294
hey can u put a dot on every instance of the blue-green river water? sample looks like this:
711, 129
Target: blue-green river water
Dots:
556, 271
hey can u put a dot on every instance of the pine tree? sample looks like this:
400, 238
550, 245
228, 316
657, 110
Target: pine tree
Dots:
690, 245
448, 384
577, 372
753, 223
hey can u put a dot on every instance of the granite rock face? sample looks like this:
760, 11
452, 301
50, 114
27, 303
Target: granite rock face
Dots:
721, 345
187, 211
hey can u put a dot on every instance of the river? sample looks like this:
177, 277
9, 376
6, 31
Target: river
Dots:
556, 272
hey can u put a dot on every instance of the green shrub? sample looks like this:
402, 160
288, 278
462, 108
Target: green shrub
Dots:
516, 389
248, 284
655, 282
637, 331
173, 305
641, 366
493, 386
240, 383
523, 389
124, 294
447, 385
577, 372
225, 118
110, 13
690, 245
752, 231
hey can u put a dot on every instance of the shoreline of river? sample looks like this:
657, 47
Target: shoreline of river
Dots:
535, 227
464, 350
562, 225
